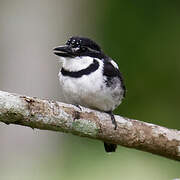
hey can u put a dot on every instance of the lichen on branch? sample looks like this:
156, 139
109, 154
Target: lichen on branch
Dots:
57, 116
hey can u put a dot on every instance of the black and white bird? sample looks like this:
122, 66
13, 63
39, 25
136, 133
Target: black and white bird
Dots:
90, 78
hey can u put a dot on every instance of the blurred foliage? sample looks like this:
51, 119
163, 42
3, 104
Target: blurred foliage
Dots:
144, 37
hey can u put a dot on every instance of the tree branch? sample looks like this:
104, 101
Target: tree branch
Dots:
57, 116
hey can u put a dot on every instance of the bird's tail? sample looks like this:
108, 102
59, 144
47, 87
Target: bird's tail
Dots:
110, 147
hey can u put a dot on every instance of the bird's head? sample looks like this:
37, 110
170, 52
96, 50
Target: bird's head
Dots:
78, 47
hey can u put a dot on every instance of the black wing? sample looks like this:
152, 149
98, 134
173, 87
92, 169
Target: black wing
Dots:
110, 72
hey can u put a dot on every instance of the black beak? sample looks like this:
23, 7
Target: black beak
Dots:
63, 51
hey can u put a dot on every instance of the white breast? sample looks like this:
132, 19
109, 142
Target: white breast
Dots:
89, 90
76, 63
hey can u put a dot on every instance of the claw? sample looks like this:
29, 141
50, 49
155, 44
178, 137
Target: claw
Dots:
113, 119
78, 106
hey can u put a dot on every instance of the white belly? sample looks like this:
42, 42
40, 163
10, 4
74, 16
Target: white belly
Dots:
89, 91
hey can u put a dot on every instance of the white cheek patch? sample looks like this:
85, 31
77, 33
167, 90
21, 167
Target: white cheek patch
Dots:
114, 64
77, 63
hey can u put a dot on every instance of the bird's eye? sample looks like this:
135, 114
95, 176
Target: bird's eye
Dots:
75, 45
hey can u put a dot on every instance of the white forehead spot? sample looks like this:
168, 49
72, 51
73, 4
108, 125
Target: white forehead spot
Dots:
114, 64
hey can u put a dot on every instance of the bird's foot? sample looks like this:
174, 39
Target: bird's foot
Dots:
78, 106
113, 119
77, 113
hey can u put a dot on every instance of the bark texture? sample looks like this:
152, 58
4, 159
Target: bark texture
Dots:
57, 116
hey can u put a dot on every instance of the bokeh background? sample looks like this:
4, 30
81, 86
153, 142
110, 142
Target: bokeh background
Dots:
142, 36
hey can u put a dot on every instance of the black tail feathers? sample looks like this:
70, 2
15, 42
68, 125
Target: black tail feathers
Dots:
110, 147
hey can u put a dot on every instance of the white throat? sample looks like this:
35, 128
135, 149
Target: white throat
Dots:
76, 63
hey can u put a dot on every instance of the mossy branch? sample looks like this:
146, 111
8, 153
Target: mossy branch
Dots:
57, 116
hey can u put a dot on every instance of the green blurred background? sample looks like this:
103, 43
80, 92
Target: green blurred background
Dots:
142, 36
